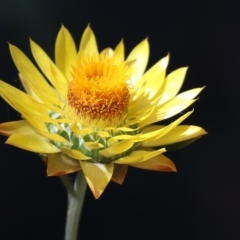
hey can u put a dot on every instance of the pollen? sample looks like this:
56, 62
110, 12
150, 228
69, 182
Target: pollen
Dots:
99, 89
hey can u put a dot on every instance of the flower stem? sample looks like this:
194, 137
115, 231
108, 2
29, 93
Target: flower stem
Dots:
75, 204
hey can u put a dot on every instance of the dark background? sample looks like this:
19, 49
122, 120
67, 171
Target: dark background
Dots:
202, 200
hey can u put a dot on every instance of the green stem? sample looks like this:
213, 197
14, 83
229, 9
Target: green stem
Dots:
75, 204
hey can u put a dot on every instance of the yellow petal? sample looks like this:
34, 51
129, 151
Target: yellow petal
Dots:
156, 69
149, 136
17, 127
107, 52
36, 123
93, 145
119, 173
159, 115
139, 116
65, 52
176, 105
44, 118
173, 84
173, 107
178, 134
119, 54
28, 89
146, 98
82, 132
123, 137
151, 88
97, 175
103, 134
139, 55
88, 43
139, 156
126, 129
33, 143
112, 141
19, 100
58, 164
75, 154
49, 69
54, 137
158, 163
40, 118
187, 95
117, 148
153, 79
32, 77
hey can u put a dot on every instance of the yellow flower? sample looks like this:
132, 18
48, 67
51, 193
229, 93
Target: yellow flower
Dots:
96, 111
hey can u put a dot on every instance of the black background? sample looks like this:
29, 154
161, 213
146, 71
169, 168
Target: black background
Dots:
202, 200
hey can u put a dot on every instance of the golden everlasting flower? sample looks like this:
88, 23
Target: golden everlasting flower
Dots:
96, 111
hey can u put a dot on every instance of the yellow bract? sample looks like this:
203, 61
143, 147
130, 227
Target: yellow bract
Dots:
99, 111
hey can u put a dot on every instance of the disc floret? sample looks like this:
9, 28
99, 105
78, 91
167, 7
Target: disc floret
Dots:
98, 91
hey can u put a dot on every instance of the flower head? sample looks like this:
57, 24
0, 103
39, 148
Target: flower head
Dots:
96, 112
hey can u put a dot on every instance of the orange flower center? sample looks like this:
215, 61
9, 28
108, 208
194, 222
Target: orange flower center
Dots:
99, 89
